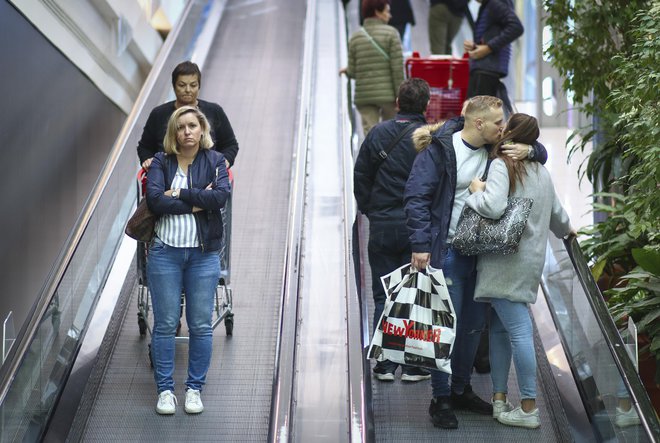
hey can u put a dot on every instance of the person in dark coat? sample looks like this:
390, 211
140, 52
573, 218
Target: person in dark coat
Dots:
402, 14
186, 82
381, 171
497, 26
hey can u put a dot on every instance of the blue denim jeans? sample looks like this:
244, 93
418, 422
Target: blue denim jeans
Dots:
461, 274
511, 335
171, 270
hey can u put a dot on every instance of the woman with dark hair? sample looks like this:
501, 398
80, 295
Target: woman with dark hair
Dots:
187, 186
186, 82
375, 61
510, 282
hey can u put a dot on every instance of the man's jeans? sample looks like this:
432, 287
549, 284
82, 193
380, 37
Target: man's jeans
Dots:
169, 271
461, 274
389, 249
511, 334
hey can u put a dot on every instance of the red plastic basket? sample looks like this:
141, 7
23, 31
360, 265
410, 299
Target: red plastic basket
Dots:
448, 78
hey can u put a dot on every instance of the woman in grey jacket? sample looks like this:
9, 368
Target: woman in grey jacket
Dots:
375, 61
511, 282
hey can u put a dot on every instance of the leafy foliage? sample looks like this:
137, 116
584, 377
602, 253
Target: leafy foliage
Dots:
609, 55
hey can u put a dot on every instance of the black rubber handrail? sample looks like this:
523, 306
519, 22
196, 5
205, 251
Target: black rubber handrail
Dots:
638, 394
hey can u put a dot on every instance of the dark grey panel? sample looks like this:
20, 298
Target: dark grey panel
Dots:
56, 129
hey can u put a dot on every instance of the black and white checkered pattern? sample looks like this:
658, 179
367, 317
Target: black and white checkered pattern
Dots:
418, 325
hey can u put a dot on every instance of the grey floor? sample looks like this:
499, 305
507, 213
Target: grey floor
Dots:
253, 72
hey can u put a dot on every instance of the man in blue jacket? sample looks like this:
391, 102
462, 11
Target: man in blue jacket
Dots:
497, 26
380, 175
448, 159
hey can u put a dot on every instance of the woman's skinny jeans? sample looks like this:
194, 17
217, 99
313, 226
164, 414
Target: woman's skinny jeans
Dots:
511, 335
171, 270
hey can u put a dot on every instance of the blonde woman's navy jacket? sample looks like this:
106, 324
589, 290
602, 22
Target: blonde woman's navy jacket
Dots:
207, 167
429, 194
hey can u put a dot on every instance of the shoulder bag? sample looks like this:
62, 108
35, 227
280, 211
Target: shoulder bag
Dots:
476, 234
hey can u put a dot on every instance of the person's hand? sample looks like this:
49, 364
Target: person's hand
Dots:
420, 260
168, 193
343, 71
477, 185
517, 151
468, 45
227, 163
479, 51
147, 163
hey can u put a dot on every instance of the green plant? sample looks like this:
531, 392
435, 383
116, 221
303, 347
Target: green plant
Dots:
609, 54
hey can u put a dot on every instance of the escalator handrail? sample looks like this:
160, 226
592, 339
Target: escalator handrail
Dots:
638, 394
71, 244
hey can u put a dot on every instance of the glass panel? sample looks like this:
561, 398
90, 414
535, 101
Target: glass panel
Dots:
601, 384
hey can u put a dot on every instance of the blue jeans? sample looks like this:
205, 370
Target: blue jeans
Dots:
389, 249
461, 274
169, 271
511, 335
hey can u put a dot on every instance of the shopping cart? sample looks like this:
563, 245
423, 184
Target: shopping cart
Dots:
448, 78
223, 295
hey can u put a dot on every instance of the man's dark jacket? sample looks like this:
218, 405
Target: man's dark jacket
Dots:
221, 131
379, 184
430, 190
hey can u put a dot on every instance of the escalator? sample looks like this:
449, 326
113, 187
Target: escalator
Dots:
84, 373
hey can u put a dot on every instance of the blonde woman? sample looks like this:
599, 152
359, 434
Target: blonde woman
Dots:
187, 185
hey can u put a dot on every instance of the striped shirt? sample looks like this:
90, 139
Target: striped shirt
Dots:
178, 230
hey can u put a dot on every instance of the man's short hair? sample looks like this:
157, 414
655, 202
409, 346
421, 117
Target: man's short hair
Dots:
479, 105
186, 68
414, 95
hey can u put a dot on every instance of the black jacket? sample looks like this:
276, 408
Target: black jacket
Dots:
208, 166
378, 183
221, 131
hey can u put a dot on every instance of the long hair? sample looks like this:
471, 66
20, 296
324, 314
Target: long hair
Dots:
521, 128
170, 143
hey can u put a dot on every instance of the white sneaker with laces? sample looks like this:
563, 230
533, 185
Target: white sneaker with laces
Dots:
627, 418
166, 403
520, 418
500, 406
193, 403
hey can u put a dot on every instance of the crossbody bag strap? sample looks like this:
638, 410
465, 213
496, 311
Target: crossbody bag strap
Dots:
376, 45
383, 154
488, 162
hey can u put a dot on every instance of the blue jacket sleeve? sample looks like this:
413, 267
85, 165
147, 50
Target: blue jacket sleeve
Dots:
364, 174
540, 153
158, 202
510, 27
214, 198
418, 197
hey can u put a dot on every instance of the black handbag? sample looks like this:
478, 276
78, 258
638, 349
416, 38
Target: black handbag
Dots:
476, 234
142, 224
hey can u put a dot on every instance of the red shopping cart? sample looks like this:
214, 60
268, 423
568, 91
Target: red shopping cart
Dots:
448, 78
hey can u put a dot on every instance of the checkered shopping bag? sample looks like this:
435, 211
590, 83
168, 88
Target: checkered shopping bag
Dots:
418, 325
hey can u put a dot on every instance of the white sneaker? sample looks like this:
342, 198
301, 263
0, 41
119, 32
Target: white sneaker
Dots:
500, 406
193, 403
166, 403
627, 418
518, 417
